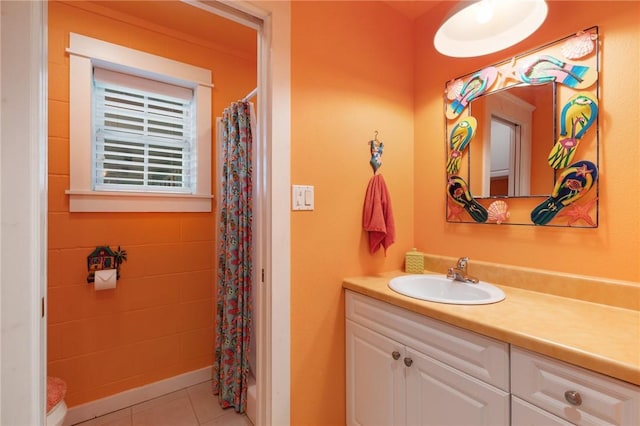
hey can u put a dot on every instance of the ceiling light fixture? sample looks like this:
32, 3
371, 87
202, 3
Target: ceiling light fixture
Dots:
476, 28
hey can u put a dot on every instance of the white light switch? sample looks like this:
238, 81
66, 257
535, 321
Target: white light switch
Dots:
302, 197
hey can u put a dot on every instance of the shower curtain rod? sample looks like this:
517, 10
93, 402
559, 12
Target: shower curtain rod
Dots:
251, 94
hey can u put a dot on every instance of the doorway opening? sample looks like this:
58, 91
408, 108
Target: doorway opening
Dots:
505, 146
274, 113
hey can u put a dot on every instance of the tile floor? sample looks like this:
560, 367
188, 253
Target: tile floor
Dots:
193, 406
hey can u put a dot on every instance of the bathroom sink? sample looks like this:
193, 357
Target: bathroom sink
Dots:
438, 288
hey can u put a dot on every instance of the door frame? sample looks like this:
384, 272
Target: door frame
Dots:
23, 269
23, 212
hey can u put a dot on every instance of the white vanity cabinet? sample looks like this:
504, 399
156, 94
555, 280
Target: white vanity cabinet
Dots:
557, 391
406, 369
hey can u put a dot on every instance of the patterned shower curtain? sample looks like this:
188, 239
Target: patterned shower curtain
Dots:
233, 307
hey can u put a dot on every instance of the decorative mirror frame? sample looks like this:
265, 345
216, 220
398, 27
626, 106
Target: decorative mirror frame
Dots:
571, 66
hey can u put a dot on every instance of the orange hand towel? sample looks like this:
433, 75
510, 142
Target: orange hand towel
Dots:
377, 216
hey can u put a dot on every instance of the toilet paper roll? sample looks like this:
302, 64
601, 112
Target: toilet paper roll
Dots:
105, 279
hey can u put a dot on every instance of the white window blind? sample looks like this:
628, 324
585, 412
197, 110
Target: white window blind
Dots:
144, 134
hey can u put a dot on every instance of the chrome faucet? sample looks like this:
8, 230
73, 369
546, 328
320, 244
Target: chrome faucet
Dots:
459, 272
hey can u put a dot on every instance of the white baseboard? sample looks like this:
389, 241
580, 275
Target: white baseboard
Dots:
100, 407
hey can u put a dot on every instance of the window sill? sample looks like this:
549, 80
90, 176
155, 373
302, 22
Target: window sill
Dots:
94, 201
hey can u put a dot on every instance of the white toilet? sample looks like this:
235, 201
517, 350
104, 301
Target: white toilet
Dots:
56, 407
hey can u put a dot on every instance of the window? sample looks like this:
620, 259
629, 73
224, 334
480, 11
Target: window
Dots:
139, 140
143, 138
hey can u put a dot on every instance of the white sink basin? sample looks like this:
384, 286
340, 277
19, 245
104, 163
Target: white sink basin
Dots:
438, 288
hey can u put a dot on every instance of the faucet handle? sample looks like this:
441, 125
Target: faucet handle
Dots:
462, 263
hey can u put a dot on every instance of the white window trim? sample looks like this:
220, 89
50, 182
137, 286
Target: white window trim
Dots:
84, 53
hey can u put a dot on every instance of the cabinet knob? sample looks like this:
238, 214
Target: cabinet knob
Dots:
408, 362
395, 355
573, 397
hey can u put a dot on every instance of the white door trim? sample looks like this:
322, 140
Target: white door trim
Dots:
275, 296
23, 210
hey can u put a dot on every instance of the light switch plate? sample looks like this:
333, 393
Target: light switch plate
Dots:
302, 197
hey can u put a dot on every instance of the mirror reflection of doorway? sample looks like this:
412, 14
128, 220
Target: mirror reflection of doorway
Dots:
505, 145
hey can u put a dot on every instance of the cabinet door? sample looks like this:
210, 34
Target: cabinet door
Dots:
375, 380
525, 414
438, 394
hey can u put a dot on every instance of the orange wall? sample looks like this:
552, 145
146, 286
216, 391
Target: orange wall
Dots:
159, 321
612, 250
352, 74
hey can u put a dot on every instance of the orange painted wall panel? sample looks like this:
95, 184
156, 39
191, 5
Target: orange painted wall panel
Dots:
613, 249
352, 74
159, 322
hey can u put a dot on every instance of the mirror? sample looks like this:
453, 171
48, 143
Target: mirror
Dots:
521, 138
514, 136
